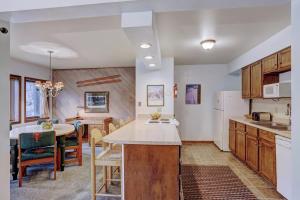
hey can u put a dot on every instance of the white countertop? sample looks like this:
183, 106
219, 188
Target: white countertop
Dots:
138, 132
249, 122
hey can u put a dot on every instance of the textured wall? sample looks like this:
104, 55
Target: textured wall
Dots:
71, 100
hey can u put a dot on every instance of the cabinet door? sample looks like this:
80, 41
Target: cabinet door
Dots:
246, 82
232, 140
256, 80
284, 60
240, 149
269, 64
232, 126
267, 160
252, 152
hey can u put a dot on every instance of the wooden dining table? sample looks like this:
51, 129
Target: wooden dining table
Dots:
61, 130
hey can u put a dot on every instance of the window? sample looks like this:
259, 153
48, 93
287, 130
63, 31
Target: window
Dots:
15, 99
32, 100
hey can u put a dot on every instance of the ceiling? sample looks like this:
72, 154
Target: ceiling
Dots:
99, 41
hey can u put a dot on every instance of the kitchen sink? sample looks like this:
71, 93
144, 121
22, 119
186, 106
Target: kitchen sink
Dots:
273, 126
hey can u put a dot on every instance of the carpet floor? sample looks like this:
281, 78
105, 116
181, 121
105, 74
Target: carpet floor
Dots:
72, 184
213, 183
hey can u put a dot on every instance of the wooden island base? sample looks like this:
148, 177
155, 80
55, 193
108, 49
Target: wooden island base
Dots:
151, 172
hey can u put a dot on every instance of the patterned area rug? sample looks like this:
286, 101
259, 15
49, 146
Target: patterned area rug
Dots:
213, 183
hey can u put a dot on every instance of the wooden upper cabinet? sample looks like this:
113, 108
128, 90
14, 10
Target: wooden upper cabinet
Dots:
269, 64
256, 80
246, 82
284, 59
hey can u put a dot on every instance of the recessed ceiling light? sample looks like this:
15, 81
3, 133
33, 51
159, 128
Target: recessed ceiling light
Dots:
148, 57
208, 44
152, 65
145, 45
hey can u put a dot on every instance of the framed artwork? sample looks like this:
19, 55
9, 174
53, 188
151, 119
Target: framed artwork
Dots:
155, 95
96, 102
193, 94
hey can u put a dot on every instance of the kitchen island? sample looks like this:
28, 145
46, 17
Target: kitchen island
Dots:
150, 160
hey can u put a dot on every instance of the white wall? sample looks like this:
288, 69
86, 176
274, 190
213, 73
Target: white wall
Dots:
24, 69
296, 97
196, 121
146, 77
4, 116
275, 43
14, 5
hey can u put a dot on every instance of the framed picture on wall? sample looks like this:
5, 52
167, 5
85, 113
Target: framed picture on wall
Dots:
96, 102
155, 95
193, 94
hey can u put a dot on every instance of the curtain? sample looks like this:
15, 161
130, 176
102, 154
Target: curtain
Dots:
44, 106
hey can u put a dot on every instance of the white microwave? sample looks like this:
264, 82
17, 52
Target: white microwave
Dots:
277, 90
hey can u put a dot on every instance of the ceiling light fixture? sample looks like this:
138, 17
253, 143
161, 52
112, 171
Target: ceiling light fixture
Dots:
152, 65
145, 45
208, 44
148, 57
50, 88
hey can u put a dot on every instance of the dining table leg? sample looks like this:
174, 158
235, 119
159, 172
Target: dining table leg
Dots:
61, 141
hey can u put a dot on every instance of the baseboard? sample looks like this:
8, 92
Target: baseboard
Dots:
196, 142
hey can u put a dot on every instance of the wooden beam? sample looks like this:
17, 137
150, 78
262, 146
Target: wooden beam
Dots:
99, 79
100, 82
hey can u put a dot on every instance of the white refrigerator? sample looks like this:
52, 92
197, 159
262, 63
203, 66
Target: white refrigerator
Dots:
227, 104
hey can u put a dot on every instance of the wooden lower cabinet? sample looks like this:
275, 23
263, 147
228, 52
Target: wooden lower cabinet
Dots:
240, 148
232, 136
151, 172
256, 148
267, 159
252, 152
232, 140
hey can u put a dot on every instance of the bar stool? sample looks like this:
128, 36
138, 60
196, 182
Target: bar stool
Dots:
108, 158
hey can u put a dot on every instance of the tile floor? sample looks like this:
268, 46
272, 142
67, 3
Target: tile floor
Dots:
209, 154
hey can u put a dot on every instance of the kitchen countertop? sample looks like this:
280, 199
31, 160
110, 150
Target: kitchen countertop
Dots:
250, 122
139, 132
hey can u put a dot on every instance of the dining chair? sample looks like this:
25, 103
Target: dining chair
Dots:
73, 145
36, 148
108, 158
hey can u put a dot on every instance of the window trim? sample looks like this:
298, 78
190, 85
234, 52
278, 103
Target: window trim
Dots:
29, 79
19, 78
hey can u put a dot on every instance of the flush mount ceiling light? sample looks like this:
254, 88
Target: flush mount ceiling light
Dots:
208, 44
145, 45
152, 65
148, 57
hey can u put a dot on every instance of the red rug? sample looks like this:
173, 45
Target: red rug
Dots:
213, 183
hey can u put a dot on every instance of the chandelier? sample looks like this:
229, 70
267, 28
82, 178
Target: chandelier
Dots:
49, 88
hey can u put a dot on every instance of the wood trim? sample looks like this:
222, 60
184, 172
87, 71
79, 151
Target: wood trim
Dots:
29, 79
99, 79
100, 82
19, 78
187, 142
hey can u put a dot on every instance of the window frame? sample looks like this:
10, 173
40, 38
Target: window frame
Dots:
19, 78
34, 118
